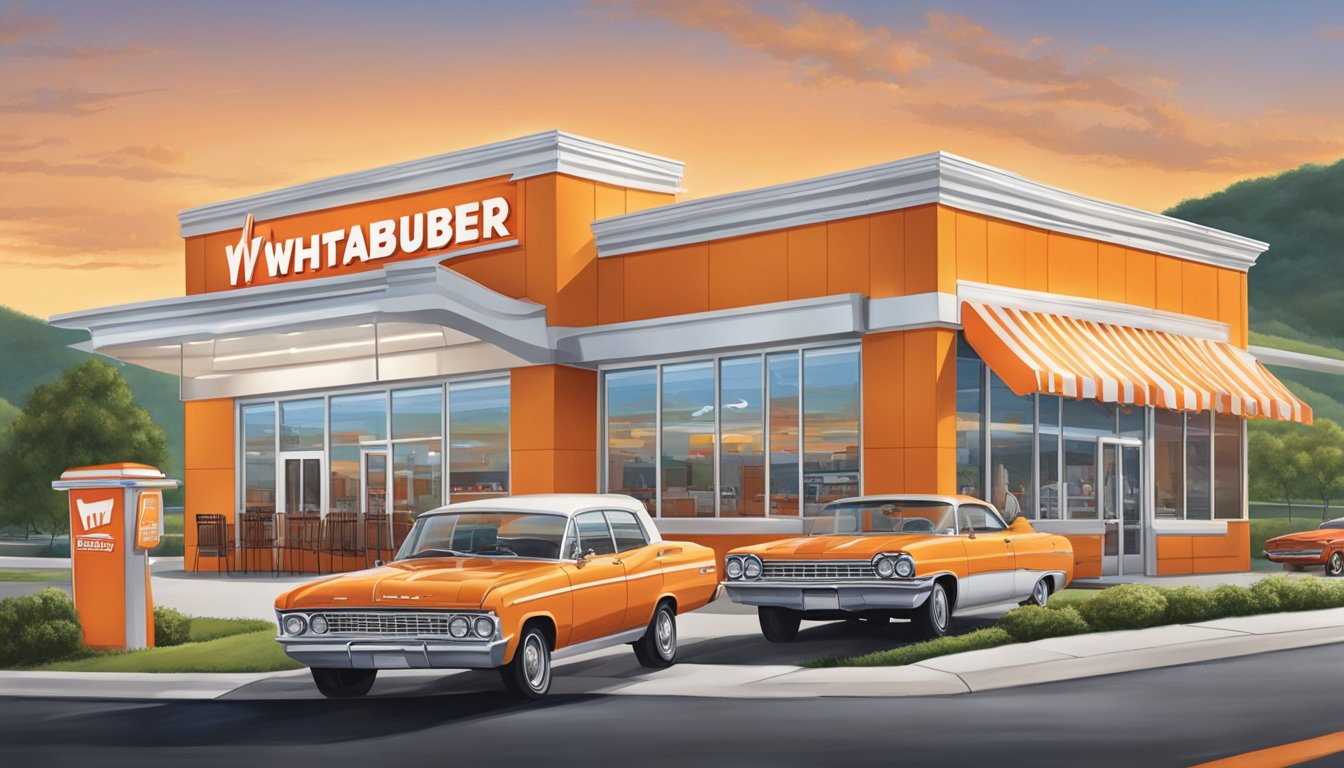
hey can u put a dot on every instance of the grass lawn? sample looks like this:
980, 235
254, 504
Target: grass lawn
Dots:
54, 575
217, 645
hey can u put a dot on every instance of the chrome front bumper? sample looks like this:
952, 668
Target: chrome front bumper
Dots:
1294, 554
888, 595
394, 653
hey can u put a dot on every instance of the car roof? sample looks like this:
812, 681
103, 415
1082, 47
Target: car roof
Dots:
944, 498
567, 504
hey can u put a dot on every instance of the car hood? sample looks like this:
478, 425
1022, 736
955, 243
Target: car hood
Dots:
834, 547
449, 582
1316, 537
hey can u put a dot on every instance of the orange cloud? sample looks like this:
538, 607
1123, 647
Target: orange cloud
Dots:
1332, 33
17, 25
72, 102
822, 46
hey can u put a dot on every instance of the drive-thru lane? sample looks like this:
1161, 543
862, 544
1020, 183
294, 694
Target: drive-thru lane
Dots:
1165, 717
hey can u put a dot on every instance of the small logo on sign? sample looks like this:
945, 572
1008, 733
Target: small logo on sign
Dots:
94, 514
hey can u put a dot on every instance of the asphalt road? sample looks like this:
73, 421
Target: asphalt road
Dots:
1168, 717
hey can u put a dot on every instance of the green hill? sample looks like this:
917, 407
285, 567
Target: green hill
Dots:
1296, 288
35, 353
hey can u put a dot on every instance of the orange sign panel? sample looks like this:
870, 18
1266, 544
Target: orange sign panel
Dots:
149, 519
96, 530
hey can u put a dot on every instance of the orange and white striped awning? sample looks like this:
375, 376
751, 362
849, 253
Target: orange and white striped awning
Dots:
1060, 355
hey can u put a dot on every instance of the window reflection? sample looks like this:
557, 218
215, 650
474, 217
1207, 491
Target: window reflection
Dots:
358, 423
742, 438
830, 425
782, 370
1168, 461
1084, 422
1012, 420
688, 440
416, 475
1053, 492
1198, 445
301, 426
631, 402
478, 427
259, 458
970, 406
1227, 474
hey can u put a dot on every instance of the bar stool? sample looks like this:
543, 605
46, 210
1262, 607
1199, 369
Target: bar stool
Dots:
340, 538
258, 535
212, 540
376, 536
303, 533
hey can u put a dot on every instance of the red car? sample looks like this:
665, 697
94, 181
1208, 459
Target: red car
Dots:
1322, 546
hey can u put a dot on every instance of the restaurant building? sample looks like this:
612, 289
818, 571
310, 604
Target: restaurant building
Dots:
541, 314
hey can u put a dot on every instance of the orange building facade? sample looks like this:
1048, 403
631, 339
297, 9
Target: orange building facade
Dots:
543, 315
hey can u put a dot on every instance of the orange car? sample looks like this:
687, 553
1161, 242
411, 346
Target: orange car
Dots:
507, 583
905, 556
1323, 545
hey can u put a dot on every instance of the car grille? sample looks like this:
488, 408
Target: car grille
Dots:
817, 570
388, 624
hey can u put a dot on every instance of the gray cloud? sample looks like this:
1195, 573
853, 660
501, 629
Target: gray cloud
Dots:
74, 102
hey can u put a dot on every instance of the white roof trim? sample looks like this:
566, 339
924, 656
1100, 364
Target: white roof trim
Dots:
1096, 310
1298, 360
417, 290
939, 177
521, 158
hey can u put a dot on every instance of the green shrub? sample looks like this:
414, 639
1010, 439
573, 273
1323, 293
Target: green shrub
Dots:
1127, 606
1312, 594
1231, 600
1187, 605
171, 627
1031, 622
916, 652
39, 628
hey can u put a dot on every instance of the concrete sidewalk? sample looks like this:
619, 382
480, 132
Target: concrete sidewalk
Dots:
615, 673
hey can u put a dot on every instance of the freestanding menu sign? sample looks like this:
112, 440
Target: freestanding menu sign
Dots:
116, 517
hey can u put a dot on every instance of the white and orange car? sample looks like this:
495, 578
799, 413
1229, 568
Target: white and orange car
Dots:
920, 557
507, 583
1323, 545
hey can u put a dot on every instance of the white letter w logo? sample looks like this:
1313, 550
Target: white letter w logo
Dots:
243, 256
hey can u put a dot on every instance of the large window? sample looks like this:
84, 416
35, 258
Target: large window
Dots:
1227, 468
417, 451
358, 427
688, 440
1169, 463
1052, 491
1011, 434
631, 398
301, 427
478, 453
970, 410
830, 425
259, 458
1198, 466
737, 436
742, 448
1084, 421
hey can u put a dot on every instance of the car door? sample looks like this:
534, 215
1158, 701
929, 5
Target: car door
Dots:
597, 581
643, 567
990, 562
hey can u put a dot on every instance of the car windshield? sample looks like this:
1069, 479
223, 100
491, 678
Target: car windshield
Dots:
881, 517
485, 534
1333, 524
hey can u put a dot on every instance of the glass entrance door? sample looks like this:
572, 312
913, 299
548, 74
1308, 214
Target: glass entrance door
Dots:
374, 483
1120, 498
301, 482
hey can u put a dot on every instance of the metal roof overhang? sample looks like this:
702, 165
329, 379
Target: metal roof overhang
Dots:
408, 320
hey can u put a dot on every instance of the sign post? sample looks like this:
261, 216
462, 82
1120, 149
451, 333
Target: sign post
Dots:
116, 517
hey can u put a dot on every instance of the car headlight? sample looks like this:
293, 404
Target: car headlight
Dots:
752, 567
733, 567
905, 566
318, 624
885, 567
484, 627
458, 627
295, 624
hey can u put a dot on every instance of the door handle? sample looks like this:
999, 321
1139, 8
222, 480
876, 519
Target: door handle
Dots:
1007, 541
616, 561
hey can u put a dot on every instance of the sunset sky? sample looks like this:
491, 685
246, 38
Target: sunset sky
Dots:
113, 116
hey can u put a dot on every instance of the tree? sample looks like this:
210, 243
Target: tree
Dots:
1275, 465
84, 417
1324, 465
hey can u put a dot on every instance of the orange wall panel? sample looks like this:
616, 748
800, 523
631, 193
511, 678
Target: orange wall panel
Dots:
1037, 259
501, 271
1140, 278
884, 394
971, 244
610, 291
209, 428
1169, 295
1230, 308
608, 200
639, 200
1111, 272
1174, 547
921, 249
208, 491
1071, 265
1213, 546
575, 254
665, 282
553, 430
558, 471
1220, 564
883, 470
744, 271
1175, 567
1199, 290
847, 256
807, 261
886, 254
195, 268
1006, 246
539, 226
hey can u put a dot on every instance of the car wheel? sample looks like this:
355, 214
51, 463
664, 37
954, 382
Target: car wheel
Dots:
1335, 565
529, 673
930, 620
779, 625
344, 683
1040, 594
657, 649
